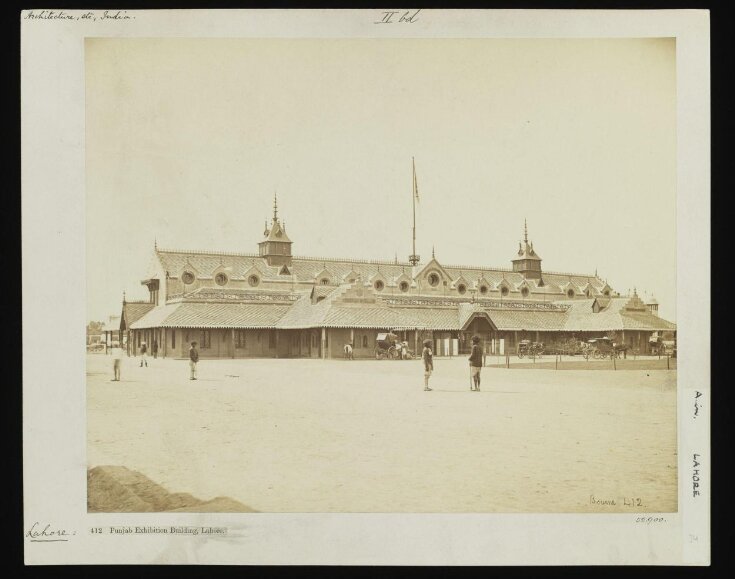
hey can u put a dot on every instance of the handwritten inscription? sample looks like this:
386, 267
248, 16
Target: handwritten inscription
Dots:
39, 533
93, 16
650, 520
695, 475
632, 502
393, 16
697, 405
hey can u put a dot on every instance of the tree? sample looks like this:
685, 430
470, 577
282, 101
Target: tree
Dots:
94, 328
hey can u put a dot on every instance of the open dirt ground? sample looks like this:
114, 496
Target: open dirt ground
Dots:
301, 435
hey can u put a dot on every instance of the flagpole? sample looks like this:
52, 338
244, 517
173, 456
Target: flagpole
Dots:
414, 259
413, 199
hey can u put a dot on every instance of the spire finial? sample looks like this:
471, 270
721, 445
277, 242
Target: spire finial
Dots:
525, 230
123, 297
433, 255
265, 231
275, 207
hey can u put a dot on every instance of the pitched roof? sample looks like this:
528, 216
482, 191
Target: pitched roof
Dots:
305, 269
529, 320
277, 233
526, 251
133, 311
614, 316
213, 315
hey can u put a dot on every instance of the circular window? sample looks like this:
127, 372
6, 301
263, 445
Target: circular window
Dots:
404, 286
570, 293
220, 279
187, 277
253, 280
524, 292
483, 289
434, 280
379, 285
461, 288
503, 291
607, 293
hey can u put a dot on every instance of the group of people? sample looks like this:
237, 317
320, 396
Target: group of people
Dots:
475, 360
117, 356
427, 355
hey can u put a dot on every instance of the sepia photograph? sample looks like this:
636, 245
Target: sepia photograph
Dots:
366, 287
381, 275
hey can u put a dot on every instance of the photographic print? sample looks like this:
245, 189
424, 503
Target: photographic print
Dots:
391, 287
378, 375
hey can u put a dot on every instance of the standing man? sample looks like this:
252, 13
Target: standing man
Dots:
143, 354
155, 349
475, 363
428, 357
116, 362
193, 359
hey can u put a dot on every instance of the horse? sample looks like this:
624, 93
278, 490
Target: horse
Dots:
348, 352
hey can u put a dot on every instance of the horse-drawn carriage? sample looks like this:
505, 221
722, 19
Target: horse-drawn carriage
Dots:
566, 347
530, 349
388, 346
661, 346
599, 348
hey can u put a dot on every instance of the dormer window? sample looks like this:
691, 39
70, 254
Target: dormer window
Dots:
606, 293
462, 289
253, 280
524, 292
221, 279
504, 291
434, 279
403, 286
483, 289
188, 278
324, 281
570, 293
379, 285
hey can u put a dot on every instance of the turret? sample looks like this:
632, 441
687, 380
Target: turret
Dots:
276, 246
652, 305
527, 262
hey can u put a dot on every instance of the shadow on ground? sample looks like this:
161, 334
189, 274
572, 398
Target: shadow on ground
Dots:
117, 489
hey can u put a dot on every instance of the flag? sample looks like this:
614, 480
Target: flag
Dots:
415, 183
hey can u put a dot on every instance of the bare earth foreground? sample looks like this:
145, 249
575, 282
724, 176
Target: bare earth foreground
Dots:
362, 436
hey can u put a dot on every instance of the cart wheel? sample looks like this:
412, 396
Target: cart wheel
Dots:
520, 354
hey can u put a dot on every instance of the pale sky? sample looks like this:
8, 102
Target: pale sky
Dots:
187, 139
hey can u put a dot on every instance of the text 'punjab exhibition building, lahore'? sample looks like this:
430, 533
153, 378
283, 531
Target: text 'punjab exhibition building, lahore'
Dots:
274, 304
